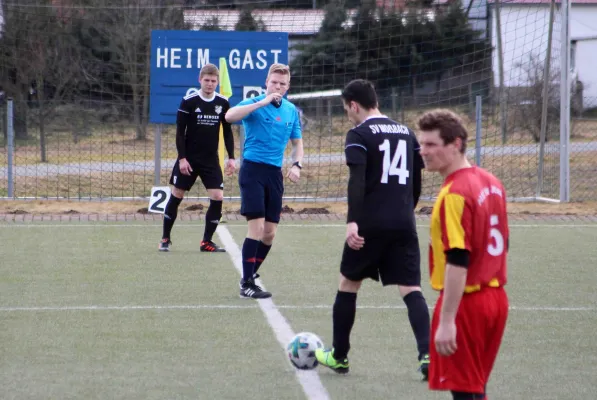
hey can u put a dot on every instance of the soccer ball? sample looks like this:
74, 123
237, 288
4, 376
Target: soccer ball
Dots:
301, 350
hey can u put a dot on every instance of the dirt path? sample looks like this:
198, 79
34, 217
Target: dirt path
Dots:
197, 207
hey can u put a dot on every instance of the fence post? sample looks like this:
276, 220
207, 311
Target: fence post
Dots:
10, 135
157, 155
394, 106
472, 108
3, 121
565, 104
330, 119
478, 121
500, 53
544, 110
402, 117
318, 116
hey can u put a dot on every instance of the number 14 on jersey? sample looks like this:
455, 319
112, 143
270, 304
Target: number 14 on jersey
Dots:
395, 165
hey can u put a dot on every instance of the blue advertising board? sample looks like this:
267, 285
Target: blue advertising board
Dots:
178, 56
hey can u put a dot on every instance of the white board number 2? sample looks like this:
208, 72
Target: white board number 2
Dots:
158, 199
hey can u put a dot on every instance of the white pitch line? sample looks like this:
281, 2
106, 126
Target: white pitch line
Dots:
307, 225
309, 380
250, 306
131, 307
114, 224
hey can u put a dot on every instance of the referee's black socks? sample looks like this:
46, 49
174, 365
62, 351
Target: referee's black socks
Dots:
170, 214
418, 315
343, 315
249, 252
262, 251
212, 218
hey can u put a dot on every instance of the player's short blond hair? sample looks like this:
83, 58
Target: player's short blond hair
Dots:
209, 69
278, 68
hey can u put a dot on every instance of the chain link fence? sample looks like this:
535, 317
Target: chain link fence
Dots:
102, 159
80, 96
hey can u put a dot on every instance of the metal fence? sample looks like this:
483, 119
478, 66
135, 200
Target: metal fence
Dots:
543, 147
105, 161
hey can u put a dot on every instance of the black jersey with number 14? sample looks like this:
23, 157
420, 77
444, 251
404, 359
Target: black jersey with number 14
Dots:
390, 152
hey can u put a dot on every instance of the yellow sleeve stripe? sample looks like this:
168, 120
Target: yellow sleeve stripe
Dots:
453, 209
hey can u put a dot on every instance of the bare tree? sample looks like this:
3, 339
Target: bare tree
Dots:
44, 64
14, 83
212, 24
122, 31
529, 99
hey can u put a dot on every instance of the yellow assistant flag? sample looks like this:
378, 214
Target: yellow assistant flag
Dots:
225, 90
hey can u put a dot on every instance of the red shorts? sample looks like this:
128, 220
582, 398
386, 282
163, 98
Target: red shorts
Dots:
480, 324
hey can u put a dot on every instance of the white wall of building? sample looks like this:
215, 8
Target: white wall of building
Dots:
1, 18
524, 35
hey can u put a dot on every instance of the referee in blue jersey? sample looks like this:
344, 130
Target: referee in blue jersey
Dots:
269, 121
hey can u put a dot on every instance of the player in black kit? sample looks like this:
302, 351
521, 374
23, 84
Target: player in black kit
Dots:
197, 136
381, 237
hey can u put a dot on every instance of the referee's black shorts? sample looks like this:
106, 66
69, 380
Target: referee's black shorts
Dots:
261, 191
209, 171
393, 257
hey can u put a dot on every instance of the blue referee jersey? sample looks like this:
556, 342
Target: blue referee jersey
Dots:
268, 129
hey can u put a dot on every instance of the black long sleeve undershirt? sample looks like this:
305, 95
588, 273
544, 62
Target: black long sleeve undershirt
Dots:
458, 257
181, 129
417, 180
356, 192
228, 139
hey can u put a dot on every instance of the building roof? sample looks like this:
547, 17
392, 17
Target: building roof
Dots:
391, 4
298, 22
293, 21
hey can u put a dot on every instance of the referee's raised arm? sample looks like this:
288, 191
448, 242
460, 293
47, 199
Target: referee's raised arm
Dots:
238, 113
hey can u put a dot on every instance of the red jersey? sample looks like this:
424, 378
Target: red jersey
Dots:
470, 214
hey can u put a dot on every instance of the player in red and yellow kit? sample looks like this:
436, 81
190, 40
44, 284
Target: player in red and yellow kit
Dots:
467, 261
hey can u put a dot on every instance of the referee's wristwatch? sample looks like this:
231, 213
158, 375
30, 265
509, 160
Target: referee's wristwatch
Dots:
298, 164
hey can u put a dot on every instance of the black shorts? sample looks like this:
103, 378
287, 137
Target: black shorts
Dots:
393, 257
210, 174
261, 191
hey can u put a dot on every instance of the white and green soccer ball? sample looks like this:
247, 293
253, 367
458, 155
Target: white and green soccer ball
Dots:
301, 350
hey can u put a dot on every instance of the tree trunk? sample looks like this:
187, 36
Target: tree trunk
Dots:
41, 117
3, 120
42, 139
137, 96
139, 126
145, 90
20, 117
414, 89
438, 82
